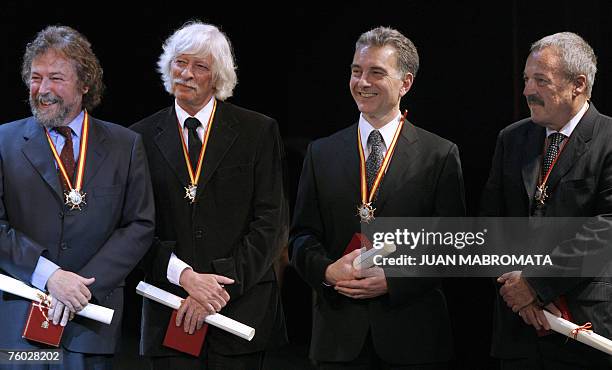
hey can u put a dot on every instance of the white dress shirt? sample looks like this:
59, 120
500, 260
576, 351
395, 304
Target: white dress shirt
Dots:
176, 266
387, 132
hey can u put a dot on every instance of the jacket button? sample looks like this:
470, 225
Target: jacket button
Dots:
199, 234
64, 246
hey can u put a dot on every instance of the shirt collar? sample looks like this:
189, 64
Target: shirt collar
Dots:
76, 125
387, 131
203, 115
571, 125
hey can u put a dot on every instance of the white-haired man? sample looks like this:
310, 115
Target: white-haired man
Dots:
221, 209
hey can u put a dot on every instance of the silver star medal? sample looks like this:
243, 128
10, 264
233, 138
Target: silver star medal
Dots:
74, 199
190, 192
366, 212
540, 194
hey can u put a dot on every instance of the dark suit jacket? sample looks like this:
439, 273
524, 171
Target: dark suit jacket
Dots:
580, 185
106, 239
236, 227
424, 179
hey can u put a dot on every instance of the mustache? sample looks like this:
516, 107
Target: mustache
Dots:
533, 99
47, 98
184, 83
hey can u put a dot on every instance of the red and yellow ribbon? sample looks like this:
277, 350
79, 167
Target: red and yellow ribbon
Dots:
366, 198
195, 177
82, 156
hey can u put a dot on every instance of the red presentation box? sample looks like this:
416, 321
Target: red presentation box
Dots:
177, 339
39, 329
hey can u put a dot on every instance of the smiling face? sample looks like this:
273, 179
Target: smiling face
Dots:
377, 84
192, 81
552, 97
55, 93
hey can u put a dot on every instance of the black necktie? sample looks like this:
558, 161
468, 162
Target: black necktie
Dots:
193, 140
375, 159
67, 155
554, 142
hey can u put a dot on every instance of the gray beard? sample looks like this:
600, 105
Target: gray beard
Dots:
51, 121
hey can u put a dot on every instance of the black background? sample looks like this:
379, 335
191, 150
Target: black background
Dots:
293, 64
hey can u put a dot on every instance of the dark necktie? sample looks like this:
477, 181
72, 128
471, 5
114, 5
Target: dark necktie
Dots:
194, 142
375, 159
554, 143
67, 155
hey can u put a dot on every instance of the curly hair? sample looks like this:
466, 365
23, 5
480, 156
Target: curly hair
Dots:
75, 47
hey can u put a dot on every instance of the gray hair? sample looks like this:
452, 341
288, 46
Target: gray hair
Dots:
201, 40
577, 56
407, 55
75, 47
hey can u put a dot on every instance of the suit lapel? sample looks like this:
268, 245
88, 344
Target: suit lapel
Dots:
404, 158
97, 151
531, 159
36, 150
222, 136
169, 144
575, 147
348, 152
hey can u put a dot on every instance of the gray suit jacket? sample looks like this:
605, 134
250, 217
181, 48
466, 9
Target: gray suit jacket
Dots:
105, 239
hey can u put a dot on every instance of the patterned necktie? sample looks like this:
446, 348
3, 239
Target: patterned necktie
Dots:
375, 159
193, 140
554, 142
67, 155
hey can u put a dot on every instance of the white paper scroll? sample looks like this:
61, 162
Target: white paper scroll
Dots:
587, 337
366, 259
18, 288
174, 302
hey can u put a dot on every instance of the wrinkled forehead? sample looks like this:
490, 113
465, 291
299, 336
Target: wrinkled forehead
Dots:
197, 58
53, 60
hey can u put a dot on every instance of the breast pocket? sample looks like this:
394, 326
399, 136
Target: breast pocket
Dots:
232, 185
577, 194
233, 171
106, 191
106, 199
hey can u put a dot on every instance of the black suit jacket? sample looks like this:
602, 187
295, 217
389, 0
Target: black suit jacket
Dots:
236, 227
580, 185
105, 239
424, 179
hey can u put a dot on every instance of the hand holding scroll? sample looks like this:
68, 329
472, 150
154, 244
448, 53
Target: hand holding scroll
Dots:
369, 283
191, 315
207, 289
70, 289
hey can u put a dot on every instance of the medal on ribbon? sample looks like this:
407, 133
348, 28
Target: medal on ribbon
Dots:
192, 188
365, 211
74, 197
541, 193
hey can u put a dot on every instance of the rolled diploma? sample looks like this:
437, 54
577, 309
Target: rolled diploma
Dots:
366, 259
18, 288
174, 302
587, 337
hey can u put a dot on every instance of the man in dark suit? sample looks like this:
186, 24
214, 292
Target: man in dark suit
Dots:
555, 163
76, 211
221, 208
368, 322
